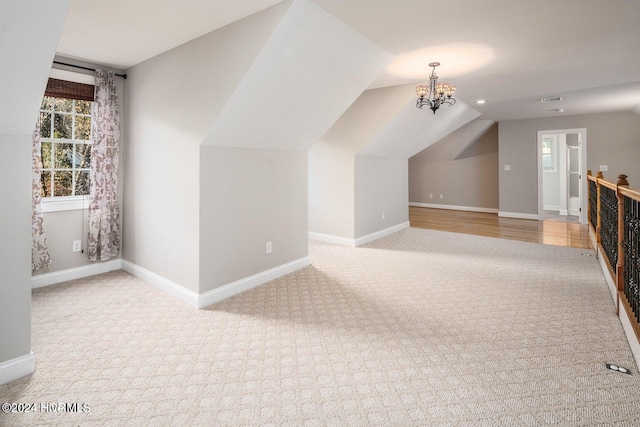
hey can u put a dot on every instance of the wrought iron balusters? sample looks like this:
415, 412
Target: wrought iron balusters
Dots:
609, 224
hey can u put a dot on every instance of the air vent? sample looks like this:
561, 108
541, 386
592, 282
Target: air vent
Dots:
551, 99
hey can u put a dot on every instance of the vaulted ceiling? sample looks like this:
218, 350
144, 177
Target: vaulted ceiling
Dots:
510, 53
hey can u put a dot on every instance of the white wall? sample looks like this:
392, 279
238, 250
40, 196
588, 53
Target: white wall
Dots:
30, 32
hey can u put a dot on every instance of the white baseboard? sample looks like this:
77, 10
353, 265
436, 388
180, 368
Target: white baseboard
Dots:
17, 368
610, 281
187, 296
517, 215
380, 234
74, 273
200, 301
231, 289
630, 333
593, 240
551, 208
335, 240
453, 207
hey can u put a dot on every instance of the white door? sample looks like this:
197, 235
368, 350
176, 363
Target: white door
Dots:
574, 180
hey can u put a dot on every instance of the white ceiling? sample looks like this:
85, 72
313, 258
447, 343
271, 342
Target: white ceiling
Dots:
508, 52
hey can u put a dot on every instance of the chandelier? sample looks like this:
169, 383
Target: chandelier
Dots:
435, 94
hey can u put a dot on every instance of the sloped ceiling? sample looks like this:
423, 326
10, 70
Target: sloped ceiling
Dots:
29, 32
412, 130
308, 73
452, 145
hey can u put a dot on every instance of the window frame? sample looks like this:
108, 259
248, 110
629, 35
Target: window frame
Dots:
66, 203
553, 153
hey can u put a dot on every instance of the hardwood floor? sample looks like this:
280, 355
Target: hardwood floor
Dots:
487, 224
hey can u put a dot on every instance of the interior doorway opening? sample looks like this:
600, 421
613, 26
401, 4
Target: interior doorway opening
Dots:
562, 167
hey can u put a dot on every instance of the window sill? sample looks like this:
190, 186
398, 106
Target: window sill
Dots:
70, 204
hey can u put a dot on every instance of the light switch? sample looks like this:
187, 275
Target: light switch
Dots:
507, 167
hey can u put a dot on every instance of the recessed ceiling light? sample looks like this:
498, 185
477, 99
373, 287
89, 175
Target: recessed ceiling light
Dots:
480, 101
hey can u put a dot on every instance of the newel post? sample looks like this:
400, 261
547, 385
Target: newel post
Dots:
622, 182
599, 176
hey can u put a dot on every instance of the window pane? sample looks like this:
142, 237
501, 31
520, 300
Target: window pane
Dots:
84, 153
62, 126
45, 125
82, 182
63, 155
83, 107
45, 150
62, 181
83, 128
46, 183
62, 104
46, 103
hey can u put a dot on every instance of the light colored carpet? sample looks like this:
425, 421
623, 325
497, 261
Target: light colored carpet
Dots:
420, 328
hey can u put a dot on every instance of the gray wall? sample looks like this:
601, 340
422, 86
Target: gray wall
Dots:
469, 180
249, 197
15, 246
172, 102
612, 139
380, 186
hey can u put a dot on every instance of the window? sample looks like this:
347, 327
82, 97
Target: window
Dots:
65, 137
549, 153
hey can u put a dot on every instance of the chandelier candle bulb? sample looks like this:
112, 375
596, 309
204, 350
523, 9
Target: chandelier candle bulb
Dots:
435, 94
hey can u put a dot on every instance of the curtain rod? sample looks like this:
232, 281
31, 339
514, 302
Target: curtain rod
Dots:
124, 76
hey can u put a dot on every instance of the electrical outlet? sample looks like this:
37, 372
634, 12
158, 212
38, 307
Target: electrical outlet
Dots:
430, 196
604, 168
507, 167
383, 216
269, 247
442, 196
77, 246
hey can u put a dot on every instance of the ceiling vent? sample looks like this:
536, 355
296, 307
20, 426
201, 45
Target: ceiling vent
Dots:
551, 99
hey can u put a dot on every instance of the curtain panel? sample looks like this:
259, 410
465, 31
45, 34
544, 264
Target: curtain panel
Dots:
39, 250
103, 240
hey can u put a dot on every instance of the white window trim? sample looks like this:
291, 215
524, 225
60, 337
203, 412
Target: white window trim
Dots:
69, 203
61, 203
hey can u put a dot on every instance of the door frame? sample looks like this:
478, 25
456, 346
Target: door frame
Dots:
582, 138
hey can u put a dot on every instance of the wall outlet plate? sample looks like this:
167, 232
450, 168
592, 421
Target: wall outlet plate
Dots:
269, 248
77, 246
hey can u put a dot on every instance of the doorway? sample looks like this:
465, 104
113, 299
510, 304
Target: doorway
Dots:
561, 175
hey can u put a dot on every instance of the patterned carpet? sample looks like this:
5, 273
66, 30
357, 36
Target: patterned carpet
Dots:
422, 328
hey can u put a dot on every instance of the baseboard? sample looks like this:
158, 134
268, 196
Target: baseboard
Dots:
74, 273
453, 207
231, 289
380, 234
551, 208
17, 368
563, 212
334, 240
611, 283
187, 296
517, 215
630, 333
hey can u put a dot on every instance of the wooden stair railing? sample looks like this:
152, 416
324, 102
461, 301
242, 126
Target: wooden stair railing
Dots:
614, 219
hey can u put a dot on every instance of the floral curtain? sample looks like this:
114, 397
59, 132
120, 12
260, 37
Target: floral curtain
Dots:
39, 250
104, 213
